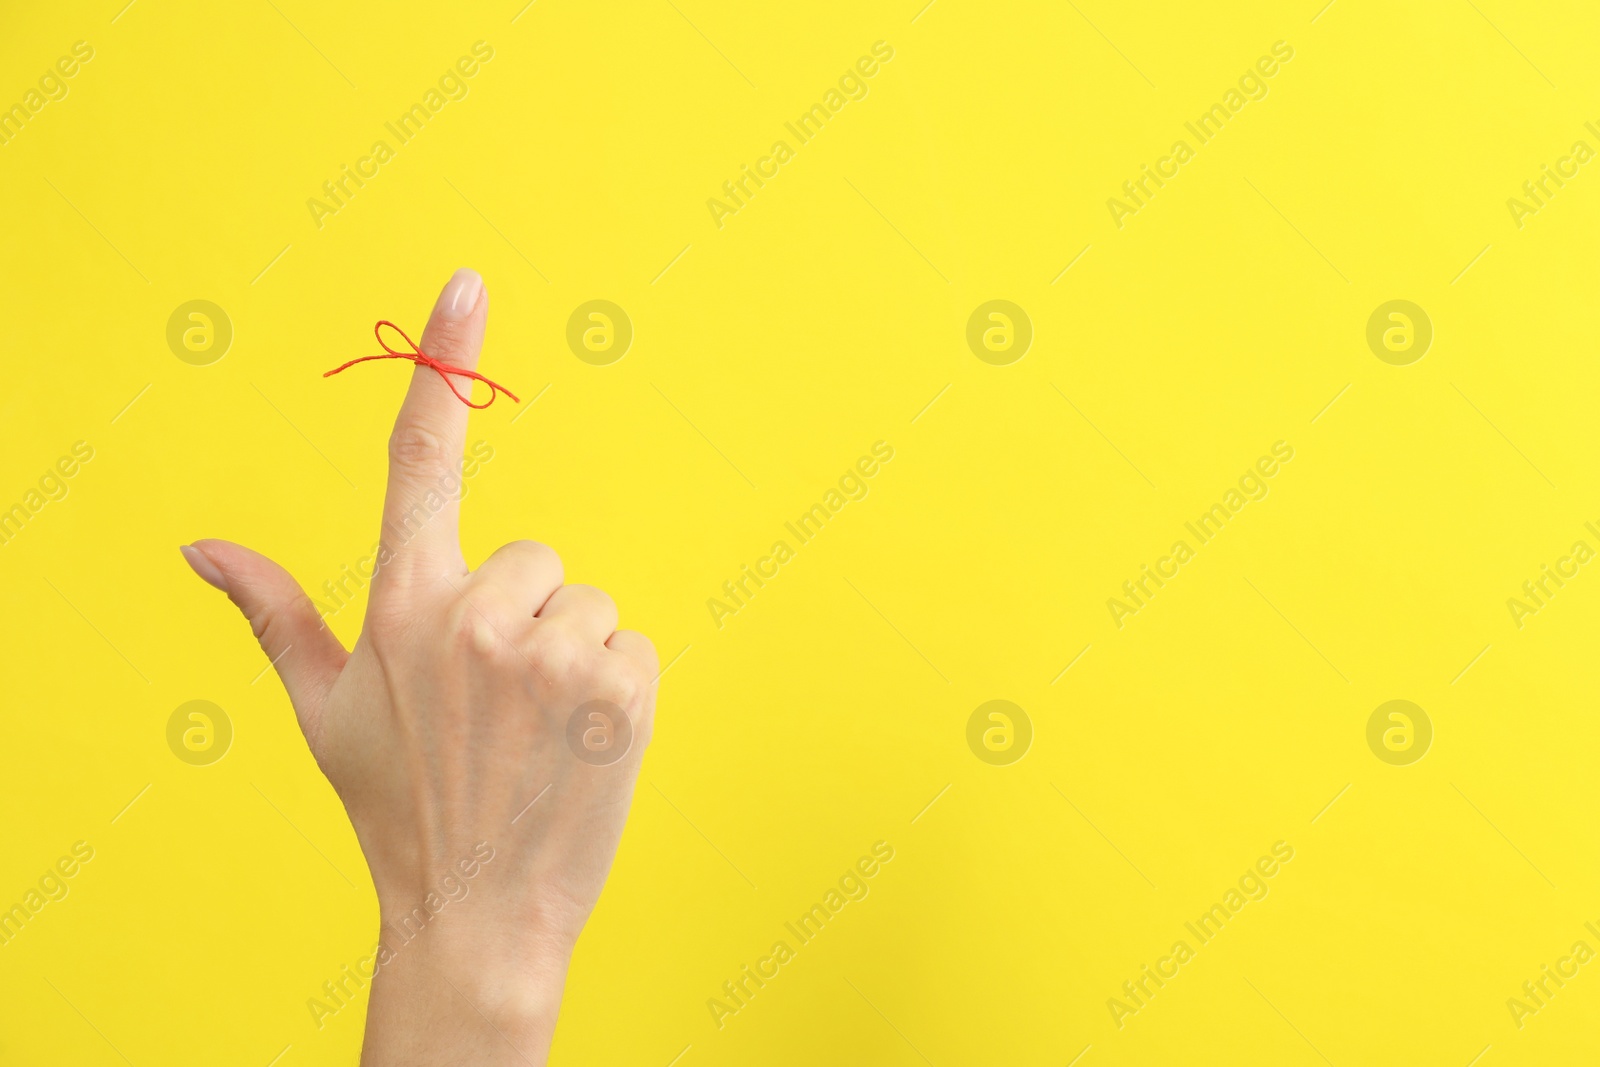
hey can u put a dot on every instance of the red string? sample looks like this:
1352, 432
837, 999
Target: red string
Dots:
418, 356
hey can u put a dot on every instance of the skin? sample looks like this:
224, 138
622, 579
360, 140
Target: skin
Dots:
445, 733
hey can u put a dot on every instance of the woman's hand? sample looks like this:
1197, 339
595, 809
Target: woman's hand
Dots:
484, 736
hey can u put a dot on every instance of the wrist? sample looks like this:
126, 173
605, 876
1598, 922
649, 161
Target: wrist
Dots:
462, 982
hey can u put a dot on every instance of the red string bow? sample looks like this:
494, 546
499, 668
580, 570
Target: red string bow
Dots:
418, 356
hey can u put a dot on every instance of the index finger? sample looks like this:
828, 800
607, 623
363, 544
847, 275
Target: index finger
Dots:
421, 506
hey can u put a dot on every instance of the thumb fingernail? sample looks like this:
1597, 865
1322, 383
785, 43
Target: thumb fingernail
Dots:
459, 296
201, 564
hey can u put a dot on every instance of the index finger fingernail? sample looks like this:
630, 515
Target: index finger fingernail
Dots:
459, 296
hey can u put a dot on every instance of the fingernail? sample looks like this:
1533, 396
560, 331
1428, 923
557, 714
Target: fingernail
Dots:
202, 565
460, 295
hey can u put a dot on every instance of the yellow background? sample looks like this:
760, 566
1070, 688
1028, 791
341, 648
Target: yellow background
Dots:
1223, 317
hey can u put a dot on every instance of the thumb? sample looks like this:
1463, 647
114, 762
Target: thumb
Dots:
307, 656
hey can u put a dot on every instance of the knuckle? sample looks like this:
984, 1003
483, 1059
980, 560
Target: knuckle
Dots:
274, 622
647, 650
474, 632
620, 682
416, 447
623, 685
596, 596
638, 651
536, 549
542, 556
558, 652
268, 624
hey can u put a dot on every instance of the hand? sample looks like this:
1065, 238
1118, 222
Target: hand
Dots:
446, 722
